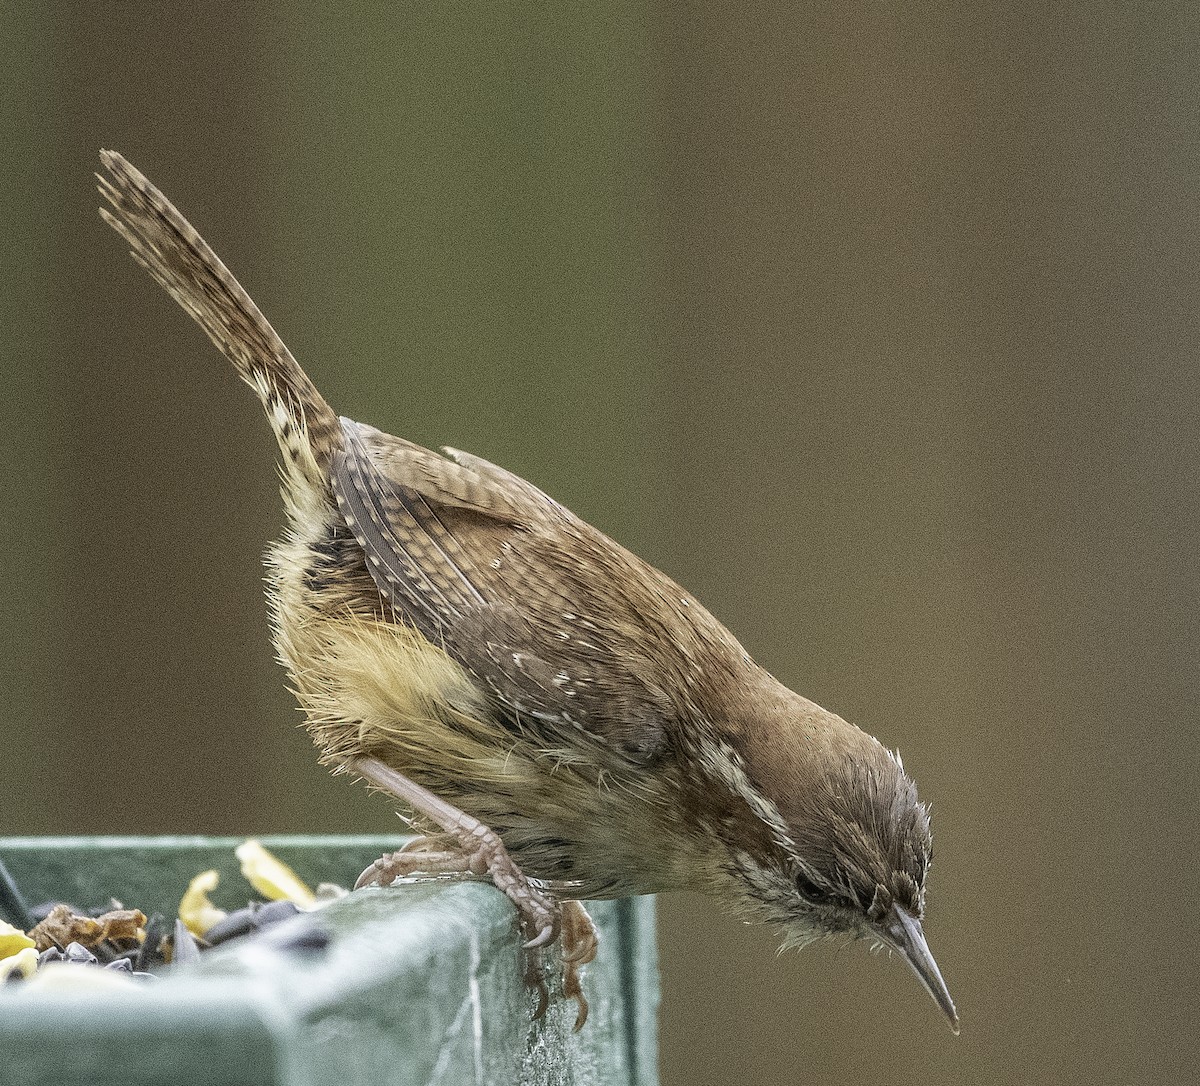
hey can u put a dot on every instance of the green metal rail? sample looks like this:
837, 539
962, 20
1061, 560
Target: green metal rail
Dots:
420, 984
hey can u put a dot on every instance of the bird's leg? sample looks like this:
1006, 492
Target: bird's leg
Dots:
430, 856
480, 851
580, 942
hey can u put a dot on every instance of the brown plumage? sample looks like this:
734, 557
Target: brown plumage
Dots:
460, 639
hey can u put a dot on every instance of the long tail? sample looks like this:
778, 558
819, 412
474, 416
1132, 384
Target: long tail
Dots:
171, 250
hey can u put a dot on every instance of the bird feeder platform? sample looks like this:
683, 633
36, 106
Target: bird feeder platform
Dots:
417, 984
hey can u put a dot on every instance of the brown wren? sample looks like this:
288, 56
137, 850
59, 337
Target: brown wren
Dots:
558, 714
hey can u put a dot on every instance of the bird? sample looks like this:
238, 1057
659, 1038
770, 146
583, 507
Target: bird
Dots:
557, 714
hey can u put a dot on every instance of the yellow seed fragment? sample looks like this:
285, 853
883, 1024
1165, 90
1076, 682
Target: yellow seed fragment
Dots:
196, 911
12, 940
271, 877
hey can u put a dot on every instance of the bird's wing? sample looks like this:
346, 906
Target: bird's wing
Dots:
552, 617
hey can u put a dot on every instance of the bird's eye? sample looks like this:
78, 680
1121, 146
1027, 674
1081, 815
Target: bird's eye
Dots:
811, 889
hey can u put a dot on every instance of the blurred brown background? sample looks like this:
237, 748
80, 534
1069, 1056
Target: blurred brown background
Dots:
875, 329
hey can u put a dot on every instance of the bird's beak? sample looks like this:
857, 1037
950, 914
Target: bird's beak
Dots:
901, 931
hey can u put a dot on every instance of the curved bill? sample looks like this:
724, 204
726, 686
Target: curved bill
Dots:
901, 931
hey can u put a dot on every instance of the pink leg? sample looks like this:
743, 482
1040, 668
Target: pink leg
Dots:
481, 851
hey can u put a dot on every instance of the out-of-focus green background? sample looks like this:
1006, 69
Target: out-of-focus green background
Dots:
878, 330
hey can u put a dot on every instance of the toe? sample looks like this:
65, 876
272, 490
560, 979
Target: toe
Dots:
572, 989
381, 873
544, 937
370, 877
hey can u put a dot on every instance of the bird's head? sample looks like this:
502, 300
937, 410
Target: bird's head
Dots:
850, 846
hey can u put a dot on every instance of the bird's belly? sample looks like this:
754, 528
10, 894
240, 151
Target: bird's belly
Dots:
370, 685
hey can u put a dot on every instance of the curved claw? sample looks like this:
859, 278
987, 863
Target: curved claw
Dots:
544, 936
572, 989
371, 876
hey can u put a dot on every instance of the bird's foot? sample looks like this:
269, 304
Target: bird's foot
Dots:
469, 848
539, 911
580, 943
543, 918
431, 856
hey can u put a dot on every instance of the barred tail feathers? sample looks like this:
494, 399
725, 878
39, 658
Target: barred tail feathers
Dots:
175, 254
